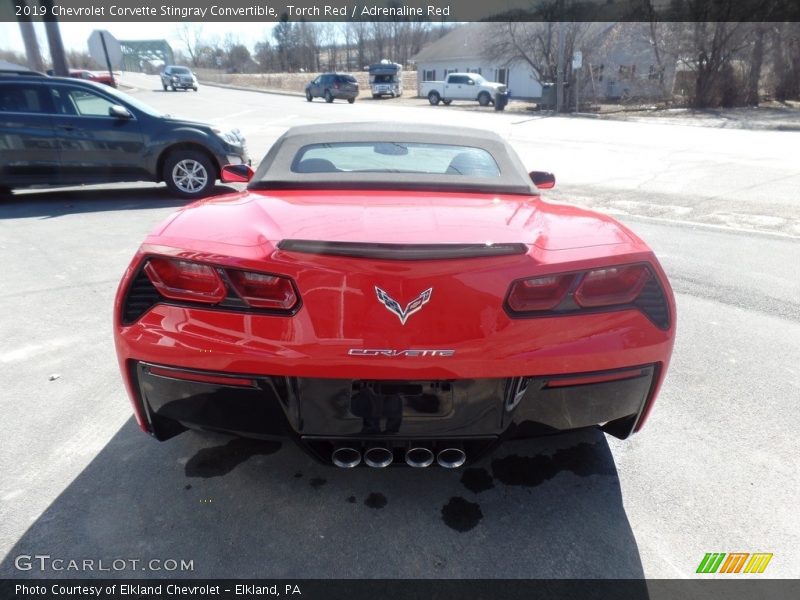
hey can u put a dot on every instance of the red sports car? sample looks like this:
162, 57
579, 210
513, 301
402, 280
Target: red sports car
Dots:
96, 76
392, 294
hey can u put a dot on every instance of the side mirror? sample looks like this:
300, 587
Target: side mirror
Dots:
119, 112
236, 174
543, 180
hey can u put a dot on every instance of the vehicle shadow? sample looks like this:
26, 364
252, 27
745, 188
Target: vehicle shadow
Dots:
550, 508
66, 201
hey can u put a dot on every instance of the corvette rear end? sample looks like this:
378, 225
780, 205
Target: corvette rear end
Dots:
376, 324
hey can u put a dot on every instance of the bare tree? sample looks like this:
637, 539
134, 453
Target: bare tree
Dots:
191, 34
308, 45
329, 40
358, 30
785, 61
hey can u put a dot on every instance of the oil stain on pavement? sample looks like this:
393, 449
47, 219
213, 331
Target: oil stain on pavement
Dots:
582, 460
477, 480
376, 500
221, 460
461, 515
529, 471
317, 482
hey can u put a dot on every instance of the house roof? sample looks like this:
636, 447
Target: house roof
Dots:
466, 42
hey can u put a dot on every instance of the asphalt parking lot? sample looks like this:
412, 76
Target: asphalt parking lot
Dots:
715, 469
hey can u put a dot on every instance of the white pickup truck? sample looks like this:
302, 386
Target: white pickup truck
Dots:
461, 86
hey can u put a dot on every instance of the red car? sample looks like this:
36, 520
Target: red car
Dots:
392, 294
96, 76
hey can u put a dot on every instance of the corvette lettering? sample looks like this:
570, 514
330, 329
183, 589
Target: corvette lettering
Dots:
381, 352
393, 305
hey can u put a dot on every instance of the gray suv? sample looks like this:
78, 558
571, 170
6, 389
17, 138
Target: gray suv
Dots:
178, 78
331, 86
67, 131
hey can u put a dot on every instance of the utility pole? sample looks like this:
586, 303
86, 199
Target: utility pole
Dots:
32, 52
560, 67
54, 41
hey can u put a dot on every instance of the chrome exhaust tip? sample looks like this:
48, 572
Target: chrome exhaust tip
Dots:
419, 457
378, 457
346, 457
451, 458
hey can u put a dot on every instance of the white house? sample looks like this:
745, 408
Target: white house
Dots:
618, 62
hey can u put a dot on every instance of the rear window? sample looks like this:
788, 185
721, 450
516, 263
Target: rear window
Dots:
395, 157
347, 79
20, 98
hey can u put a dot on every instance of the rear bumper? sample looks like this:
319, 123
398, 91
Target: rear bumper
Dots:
333, 410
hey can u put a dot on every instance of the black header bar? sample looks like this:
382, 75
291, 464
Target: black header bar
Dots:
400, 10
399, 589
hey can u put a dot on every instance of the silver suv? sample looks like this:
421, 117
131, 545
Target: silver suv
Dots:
178, 78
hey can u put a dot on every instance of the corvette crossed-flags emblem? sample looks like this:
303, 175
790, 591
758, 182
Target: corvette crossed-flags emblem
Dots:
393, 305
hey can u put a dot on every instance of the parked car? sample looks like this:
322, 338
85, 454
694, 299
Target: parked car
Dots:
332, 86
97, 76
178, 78
462, 86
392, 294
65, 131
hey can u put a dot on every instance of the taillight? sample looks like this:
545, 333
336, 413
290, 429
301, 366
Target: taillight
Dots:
539, 293
261, 290
610, 286
184, 280
625, 286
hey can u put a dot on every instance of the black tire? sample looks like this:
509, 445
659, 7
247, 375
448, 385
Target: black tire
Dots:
484, 99
189, 174
434, 98
309, 97
447, 102
328, 96
164, 86
351, 100
375, 96
194, 88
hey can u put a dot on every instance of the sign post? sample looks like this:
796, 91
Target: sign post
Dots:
105, 48
577, 63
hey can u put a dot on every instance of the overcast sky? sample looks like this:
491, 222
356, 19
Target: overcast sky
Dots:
75, 35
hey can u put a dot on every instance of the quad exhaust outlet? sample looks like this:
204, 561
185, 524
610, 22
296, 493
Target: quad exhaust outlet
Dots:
346, 457
419, 457
378, 457
451, 458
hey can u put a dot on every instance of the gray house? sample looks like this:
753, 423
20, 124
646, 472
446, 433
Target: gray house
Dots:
618, 62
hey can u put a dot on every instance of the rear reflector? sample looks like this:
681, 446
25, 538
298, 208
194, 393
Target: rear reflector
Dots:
261, 290
540, 293
615, 285
184, 280
201, 377
600, 378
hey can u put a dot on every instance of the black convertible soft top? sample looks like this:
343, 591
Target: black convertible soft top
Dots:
275, 171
